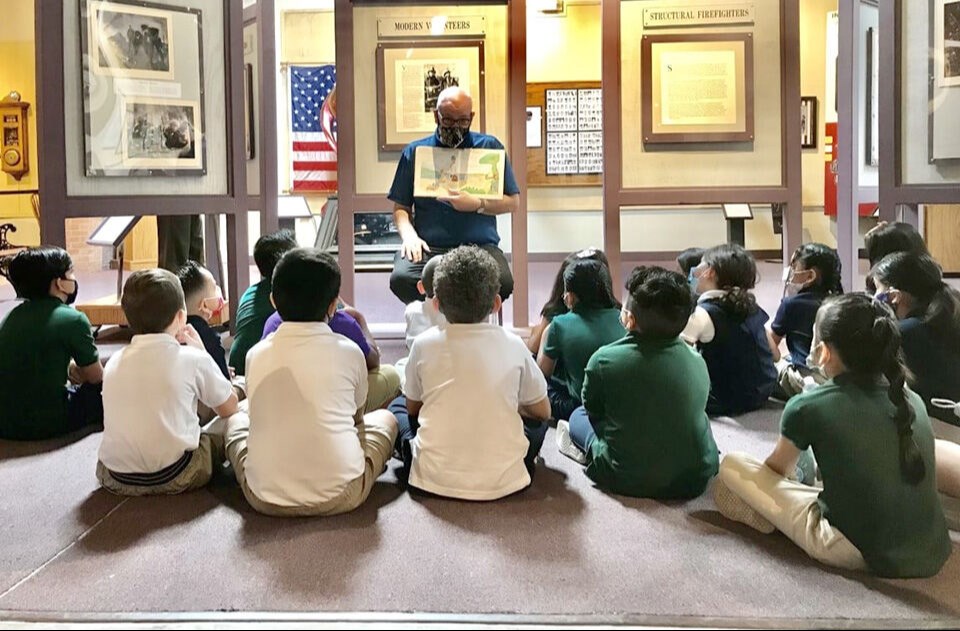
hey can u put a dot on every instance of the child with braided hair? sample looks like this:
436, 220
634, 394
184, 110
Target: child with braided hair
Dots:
878, 509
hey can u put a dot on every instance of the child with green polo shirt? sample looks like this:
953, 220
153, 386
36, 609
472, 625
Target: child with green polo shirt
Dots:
568, 342
642, 429
878, 509
255, 307
44, 342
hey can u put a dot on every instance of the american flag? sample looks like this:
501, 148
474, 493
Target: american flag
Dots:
314, 129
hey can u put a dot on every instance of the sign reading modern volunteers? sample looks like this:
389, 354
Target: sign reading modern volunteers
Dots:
435, 26
665, 17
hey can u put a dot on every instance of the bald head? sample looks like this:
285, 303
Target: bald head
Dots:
454, 102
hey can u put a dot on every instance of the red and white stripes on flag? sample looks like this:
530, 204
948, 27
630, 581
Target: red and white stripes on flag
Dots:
313, 129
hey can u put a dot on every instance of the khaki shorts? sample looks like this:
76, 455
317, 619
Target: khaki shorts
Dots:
196, 475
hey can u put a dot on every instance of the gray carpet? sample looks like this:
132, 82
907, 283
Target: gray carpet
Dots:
561, 547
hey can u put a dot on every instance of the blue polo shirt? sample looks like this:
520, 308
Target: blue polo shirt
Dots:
438, 223
794, 321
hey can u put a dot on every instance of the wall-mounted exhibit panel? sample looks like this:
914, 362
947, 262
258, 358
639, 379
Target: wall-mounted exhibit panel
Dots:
701, 94
251, 101
403, 57
930, 97
144, 89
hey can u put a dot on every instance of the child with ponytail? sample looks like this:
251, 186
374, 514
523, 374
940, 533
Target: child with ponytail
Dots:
728, 328
928, 311
878, 509
813, 275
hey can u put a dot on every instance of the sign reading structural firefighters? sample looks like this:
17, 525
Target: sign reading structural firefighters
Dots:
673, 17
432, 26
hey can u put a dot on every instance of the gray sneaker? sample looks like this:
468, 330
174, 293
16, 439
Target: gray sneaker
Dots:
565, 444
733, 507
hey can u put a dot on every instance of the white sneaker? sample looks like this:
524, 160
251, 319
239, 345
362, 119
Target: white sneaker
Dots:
565, 444
733, 507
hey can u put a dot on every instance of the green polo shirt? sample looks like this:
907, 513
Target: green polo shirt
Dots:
37, 341
574, 337
252, 314
646, 401
898, 527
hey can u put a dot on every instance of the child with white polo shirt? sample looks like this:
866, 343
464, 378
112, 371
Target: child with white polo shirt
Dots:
152, 442
473, 419
306, 447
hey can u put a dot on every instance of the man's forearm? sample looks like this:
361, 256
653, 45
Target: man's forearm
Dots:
507, 204
401, 219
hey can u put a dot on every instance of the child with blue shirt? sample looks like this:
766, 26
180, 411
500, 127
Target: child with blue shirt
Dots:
728, 328
813, 275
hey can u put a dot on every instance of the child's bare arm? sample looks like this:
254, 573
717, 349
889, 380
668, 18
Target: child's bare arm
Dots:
539, 411
546, 363
228, 407
774, 340
784, 458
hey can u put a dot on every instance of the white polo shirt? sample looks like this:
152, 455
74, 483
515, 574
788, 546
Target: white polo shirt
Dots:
471, 378
150, 394
305, 383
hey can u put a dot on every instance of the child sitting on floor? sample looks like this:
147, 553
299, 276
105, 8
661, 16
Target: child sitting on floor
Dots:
43, 342
421, 314
642, 430
728, 328
878, 509
814, 275
928, 314
254, 307
592, 321
152, 442
469, 386
383, 380
204, 302
307, 448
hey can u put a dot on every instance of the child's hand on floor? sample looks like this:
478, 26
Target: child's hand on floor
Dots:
188, 336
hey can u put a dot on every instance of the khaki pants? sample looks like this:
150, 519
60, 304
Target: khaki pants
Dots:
791, 507
377, 436
791, 379
196, 475
383, 386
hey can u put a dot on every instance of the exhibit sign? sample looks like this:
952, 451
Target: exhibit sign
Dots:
711, 15
143, 106
441, 172
944, 142
808, 122
411, 76
432, 26
697, 88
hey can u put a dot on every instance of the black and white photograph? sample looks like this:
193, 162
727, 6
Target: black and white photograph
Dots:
434, 82
808, 122
162, 133
948, 22
131, 41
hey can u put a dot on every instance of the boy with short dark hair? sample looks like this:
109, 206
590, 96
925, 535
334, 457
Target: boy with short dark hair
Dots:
470, 385
642, 430
43, 341
254, 307
204, 301
152, 443
306, 447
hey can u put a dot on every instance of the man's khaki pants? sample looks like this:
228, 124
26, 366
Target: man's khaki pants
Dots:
792, 508
377, 441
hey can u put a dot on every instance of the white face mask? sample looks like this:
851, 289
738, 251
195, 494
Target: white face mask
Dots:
794, 281
813, 363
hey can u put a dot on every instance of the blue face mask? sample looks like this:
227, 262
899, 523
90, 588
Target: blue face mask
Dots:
692, 281
884, 297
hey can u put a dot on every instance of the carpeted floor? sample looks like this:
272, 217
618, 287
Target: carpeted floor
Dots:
560, 547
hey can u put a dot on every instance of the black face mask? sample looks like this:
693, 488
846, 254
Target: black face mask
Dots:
452, 136
72, 296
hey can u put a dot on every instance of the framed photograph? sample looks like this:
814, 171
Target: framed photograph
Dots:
249, 123
143, 106
161, 134
440, 171
946, 42
130, 40
808, 122
697, 88
411, 75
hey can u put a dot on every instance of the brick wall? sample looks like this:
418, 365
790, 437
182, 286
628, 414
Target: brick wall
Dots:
86, 258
